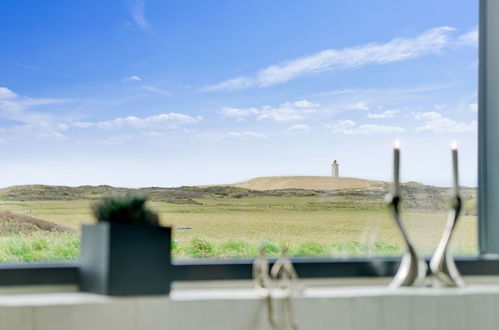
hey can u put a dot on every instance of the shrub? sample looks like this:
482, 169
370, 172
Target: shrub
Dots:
125, 210
201, 248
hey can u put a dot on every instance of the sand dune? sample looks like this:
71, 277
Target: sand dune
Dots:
11, 223
309, 182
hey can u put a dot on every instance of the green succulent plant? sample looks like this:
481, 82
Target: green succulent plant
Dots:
128, 210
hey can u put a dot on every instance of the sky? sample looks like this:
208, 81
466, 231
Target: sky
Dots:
137, 93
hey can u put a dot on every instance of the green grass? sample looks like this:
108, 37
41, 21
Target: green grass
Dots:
199, 247
60, 247
46, 247
301, 220
318, 225
66, 247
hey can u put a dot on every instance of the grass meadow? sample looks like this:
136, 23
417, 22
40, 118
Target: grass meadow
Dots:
235, 227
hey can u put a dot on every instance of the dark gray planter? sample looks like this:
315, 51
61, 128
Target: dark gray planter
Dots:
125, 260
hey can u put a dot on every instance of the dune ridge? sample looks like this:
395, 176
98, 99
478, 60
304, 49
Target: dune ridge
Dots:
309, 183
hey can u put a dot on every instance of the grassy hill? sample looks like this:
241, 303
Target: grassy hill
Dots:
345, 190
315, 216
332, 192
310, 183
18, 224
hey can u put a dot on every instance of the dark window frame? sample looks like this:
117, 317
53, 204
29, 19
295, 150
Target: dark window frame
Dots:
486, 263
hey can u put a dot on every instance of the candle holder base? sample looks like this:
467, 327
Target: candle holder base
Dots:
442, 265
412, 269
411, 272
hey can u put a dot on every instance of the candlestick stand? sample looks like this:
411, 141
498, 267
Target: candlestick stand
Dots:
412, 269
442, 263
284, 273
262, 284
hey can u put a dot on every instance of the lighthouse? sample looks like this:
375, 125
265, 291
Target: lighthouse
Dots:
335, 169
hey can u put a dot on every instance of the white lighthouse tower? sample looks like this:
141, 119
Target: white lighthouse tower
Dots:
335, 169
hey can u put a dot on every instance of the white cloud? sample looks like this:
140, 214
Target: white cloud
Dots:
131, 78
51, 136
342, 126
6, 93
429, 42
446, 125
285, 112
31, 124
116, 140
376, 129
170, 120
40, 125
349, 127
383, 115
431, 115
156, 90
137, 11
378, 99
473, 107
299, 127
40, 130
437, 123
305, 104
469, 38
83, 124
359, 106
238, 113
153, 133
242, 135
282, 113
229, 85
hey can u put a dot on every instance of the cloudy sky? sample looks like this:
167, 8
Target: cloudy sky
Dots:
167, 93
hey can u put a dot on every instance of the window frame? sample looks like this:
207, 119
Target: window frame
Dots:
488, 137
486, 263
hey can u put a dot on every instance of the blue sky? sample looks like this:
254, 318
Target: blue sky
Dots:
167, 93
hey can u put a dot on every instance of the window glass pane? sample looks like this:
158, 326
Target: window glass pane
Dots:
238, 111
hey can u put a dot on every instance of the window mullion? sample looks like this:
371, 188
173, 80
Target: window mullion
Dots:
488, 124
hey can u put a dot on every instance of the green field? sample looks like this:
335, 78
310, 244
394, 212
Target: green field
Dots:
310, 224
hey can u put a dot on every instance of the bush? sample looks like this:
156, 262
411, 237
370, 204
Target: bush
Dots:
201, 248
125, 210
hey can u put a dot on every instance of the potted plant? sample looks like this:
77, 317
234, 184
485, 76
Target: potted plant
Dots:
127, 252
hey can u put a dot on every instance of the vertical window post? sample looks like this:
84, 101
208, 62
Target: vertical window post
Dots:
488, 127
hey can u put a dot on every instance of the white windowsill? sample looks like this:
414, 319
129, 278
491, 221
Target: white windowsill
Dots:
345, 308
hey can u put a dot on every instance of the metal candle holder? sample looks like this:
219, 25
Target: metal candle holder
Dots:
412, 269
263, 283
442, 264
284, 273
